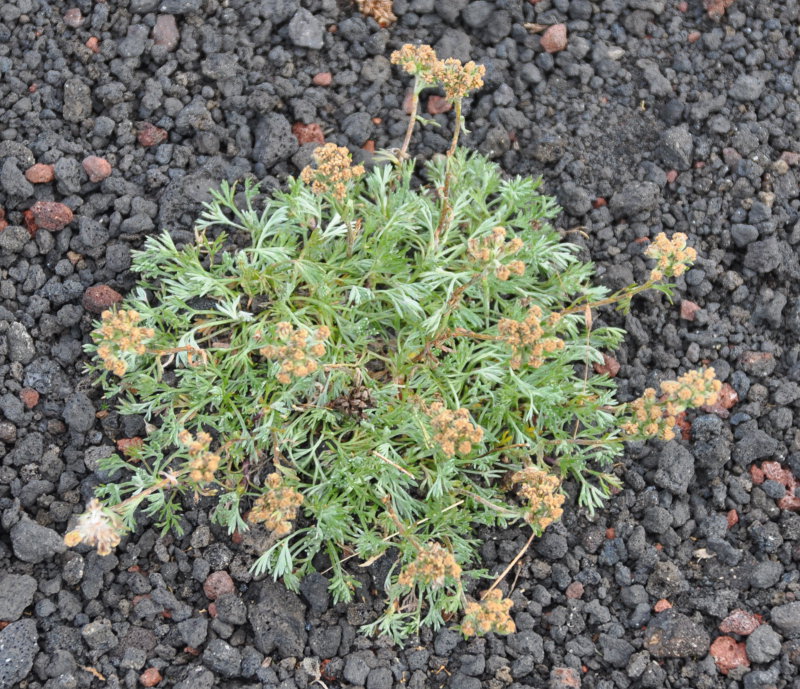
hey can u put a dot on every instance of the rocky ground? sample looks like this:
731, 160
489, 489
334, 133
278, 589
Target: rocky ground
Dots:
647, 116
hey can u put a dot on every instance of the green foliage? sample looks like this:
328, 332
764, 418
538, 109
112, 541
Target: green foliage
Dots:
355, 344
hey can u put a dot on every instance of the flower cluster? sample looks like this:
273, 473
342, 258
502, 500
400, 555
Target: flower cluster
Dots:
489, 615
493, 249
120, 333
417, 60
433, 564
334, 170
656, 417
98, 527
541, 490
455, 78
673, 256
300, 355
379, 10
277, 507
455, 433
527, 338
202, 462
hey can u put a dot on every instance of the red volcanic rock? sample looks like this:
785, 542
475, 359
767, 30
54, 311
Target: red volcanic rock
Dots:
97, 168
40, 174
100, 297
554, 38
50, 215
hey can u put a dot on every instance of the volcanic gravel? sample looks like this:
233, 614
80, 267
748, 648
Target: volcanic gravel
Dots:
117, 117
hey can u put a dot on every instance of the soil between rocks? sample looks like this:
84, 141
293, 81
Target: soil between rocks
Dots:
654, 118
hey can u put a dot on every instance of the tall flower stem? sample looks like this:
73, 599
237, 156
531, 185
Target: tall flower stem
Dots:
411, 120
447, 208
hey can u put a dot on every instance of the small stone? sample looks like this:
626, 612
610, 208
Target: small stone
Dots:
763, 645
29, 397
764, 256
610, 366
740, 622
16, 594
574, 590
554, 38
662, 605
634, 198
322, 79
673, 635
40, 174
150, 677
564, 678
98, 298
165, 32
787, 618
218, 584
99, 635
675, 148
51, 215
308, 133
728, 654
97, 168
93, 44
438, 105
150, 135
13, 181
747, 87
73, 17
19, 644
732, 518
77, 101
306, 30
693, 36
688, 310
35, 543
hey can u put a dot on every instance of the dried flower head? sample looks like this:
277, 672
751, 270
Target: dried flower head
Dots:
492, 614
418, 60
494, 249
379, 10
300, 355
277, 507
432, 566
542, 492
455, 433
529, 346
98, 527
333, 172
656, 416
203, 463
673, 256
458, 79
119, 333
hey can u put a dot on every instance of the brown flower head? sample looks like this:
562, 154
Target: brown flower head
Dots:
300, 355
492, 614
277, 507
98, 527
454, 432
494, 251
418, 60
379, 10
542, 491
432, 567
673, 256
333, 172
653, 416
118, 334
456, 79
203, 463
527, 339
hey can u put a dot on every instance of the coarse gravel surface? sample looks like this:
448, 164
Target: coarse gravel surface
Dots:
117, 116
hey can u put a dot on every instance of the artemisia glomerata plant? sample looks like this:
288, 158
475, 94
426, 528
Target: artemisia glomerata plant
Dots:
371, 368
